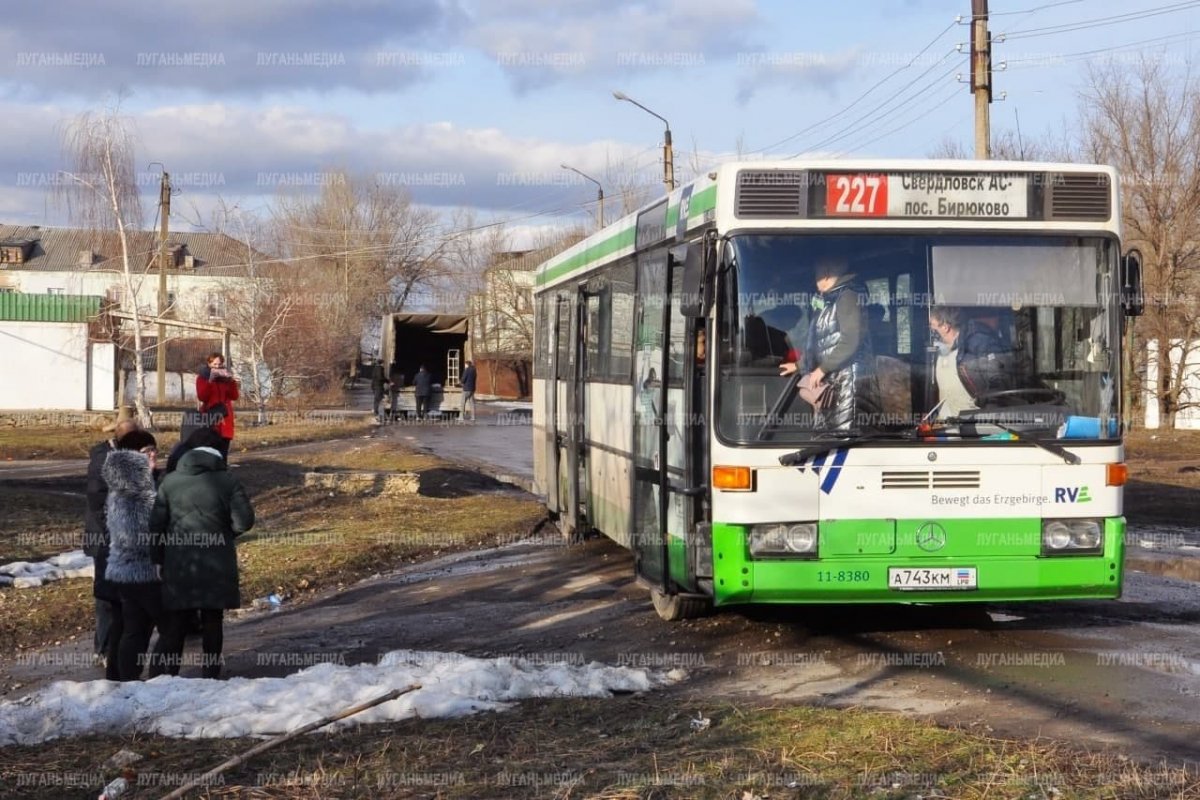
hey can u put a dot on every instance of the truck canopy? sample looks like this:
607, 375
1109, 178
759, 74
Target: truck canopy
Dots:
410, 340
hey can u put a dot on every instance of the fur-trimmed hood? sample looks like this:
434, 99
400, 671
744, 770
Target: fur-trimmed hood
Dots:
128, 471
130, 499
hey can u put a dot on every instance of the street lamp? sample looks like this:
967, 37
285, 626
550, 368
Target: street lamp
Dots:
599, 190
668, 153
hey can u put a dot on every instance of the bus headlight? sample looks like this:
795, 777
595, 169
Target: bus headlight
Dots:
784, 538
1072, 536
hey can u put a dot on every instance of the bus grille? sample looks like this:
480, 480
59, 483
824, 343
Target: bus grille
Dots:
1075, 196
774, 193
935, 479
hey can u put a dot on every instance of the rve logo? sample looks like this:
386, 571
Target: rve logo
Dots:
833, 471
1072, 494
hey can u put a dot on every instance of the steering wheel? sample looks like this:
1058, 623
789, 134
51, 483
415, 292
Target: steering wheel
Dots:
1034, 393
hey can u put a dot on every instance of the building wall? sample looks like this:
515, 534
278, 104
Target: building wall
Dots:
46, 365
1187, 418
191, 291
500, 381
103, 376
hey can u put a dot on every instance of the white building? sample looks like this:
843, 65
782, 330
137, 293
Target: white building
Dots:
203, 270
56, 353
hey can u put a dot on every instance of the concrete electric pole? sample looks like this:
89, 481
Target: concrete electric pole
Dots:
981, 77
164, 212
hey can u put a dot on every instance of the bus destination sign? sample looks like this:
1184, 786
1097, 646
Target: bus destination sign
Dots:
928, 195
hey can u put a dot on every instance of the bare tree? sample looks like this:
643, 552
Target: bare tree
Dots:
365, 247
101, 193
1146, 123
258, 308
502, 311
633, 187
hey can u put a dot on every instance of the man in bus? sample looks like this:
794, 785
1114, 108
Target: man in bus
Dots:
840, 381
971, 360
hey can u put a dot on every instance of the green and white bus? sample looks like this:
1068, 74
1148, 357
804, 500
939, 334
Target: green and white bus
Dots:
663, 419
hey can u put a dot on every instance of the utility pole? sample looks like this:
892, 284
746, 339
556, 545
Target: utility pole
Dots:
981, 77
668, 161
164, 212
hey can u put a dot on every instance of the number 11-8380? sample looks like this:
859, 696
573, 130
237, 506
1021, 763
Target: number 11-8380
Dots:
860, 195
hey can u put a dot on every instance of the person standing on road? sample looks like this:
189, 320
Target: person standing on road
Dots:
200, 509
379, 384
96, 543
468, 390
216, 390
423, 388
129, 473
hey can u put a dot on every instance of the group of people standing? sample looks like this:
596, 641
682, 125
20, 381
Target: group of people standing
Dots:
381, 383
163, 540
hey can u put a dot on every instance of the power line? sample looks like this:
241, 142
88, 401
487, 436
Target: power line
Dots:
921, 114
1035, 9
1051, 30
862, 96
898, 98
1184, 36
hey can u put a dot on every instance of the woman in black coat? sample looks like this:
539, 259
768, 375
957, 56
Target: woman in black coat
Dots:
201, 507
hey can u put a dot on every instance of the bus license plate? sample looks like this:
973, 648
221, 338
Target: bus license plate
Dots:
931, 579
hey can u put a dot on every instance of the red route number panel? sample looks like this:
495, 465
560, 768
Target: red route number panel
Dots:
862, 195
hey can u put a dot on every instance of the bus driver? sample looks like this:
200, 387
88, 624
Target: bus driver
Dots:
970, 363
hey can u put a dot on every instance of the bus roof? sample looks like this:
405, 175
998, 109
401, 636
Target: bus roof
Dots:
716, 198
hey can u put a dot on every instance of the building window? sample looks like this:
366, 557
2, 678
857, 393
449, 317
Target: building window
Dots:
170, 304
56, 290
216, 305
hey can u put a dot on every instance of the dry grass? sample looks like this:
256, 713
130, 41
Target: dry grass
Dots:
18, 444
630, 747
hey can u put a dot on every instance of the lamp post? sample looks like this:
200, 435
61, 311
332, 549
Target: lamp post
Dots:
668, 152
599, 189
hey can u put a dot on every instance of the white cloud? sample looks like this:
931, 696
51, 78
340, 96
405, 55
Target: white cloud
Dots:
539, 43
217, 149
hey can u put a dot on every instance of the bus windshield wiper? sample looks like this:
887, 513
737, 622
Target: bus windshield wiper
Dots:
1021, 436
803, 454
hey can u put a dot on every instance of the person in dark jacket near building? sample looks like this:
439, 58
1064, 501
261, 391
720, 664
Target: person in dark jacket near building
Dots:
200, 509
423, 389
216, 390
379, 384
95, 542
129, 473
468, 390
971, 362
839, 355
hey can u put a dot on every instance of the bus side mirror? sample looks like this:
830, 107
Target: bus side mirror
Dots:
694, 294
1133, 300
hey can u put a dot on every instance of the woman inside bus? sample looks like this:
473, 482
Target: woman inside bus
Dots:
840, 383
972, 361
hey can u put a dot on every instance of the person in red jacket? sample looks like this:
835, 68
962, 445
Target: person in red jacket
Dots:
216, 389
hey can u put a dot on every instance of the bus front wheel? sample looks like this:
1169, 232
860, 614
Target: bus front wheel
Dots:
676, 607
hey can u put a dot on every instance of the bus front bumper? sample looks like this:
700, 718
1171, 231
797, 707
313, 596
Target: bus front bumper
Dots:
738, 578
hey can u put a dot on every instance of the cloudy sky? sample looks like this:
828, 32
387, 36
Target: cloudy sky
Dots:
477, 103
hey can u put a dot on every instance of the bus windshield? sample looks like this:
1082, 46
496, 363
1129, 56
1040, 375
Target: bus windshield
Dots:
967, 336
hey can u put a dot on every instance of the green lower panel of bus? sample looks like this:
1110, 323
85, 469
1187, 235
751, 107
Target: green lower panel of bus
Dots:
980, 560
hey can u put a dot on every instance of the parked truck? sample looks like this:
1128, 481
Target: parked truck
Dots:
439, 341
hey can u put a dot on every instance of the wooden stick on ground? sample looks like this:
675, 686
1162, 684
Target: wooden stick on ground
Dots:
283, 737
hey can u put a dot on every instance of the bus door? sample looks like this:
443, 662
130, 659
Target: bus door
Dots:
560, 358
660, 505
574, 430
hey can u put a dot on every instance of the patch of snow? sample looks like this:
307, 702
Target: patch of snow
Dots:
28, 574
452, 685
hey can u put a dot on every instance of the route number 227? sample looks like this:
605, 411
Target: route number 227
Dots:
856, 195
